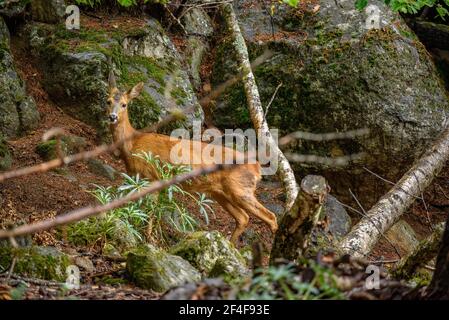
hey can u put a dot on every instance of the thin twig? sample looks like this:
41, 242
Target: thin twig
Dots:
85, 212
272, 99
11, 268
176, 115
390, 182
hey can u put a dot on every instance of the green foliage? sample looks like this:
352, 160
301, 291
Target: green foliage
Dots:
412, 6
153, 213
283, 282
121, 3
166, 209
292, 3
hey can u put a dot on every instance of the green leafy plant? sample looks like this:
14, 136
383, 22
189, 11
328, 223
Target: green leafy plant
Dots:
121, 3
412, 6
283, 282
152, 214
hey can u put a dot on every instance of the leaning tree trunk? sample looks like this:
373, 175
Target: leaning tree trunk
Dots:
296, 226
424, 252
285, 171
439, 286
361, 240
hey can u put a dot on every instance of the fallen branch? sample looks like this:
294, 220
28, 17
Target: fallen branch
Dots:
392, 205
256, 111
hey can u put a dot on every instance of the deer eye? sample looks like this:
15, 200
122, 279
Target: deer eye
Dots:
123, 105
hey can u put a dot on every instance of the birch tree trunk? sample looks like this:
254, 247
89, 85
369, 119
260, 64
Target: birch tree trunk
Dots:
285, 171
361, 240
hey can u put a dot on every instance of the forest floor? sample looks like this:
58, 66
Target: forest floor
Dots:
39, 196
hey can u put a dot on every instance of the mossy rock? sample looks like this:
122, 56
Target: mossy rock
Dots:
5, 155
18, 110
69, 145
403, 236
204, 250
337, 76
154, 269
49, 11
13, 9
98, 167
75, 68
36, 262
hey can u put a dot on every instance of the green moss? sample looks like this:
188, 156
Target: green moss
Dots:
211, 254
152, 68
5, 155
154, 269
38, 262
143, 111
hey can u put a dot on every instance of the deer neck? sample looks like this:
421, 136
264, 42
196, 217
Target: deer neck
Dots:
121, 131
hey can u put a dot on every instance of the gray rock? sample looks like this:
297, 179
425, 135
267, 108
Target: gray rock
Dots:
339, 221
76, 74
12, 9
197, 22
211, 254
98, 167
69, 145
154, 269
19, 112
340, 77
402, 235
195, 51
48, 11
85, 264
198, 26
154, 44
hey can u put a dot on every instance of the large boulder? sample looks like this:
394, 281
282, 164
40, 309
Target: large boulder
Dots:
13, 9
18, 110
211, 254
337, 75
198, 25
49, 11
154, 269
75, 66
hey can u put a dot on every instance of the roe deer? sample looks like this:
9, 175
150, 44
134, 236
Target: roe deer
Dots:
233, 189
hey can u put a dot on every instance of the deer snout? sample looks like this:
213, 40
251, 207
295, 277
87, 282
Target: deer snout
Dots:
113, 118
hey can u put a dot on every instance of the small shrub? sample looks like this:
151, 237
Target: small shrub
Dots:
153, 215
284, 282
120, 3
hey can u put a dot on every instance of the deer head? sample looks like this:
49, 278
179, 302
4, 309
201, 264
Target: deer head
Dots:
118, 100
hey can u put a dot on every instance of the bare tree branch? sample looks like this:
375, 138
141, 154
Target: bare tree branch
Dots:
85, 212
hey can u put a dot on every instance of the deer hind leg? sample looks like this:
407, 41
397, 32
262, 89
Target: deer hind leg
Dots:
240, 216
248, 202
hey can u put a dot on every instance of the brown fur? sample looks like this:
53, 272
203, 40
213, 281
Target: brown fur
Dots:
234, 190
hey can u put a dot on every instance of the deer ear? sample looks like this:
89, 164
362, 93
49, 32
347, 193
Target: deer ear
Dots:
111, 80
135, 92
